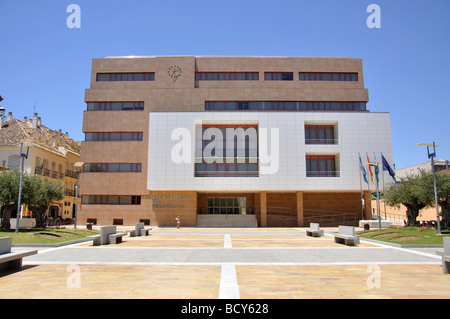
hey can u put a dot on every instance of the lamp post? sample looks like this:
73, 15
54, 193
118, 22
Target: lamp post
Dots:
22, 157
432, 156
78, 169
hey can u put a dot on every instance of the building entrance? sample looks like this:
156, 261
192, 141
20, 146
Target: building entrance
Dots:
226, 210
226, 206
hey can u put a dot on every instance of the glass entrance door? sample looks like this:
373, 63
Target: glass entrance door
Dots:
227, 205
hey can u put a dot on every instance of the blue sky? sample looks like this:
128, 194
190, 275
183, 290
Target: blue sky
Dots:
406, 61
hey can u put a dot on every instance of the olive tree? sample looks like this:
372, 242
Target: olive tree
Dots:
411, 193
42, 193
37, 194
9, 195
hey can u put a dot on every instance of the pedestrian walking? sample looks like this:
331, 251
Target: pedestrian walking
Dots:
178, 221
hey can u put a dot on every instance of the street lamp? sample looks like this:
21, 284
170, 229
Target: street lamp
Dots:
22, 157
378, 192
432, 156
78, 169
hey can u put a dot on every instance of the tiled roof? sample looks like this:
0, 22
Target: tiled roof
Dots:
15, 132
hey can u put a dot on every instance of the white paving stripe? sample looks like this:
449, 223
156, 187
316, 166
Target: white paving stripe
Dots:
229, 288
233, 264
227, 241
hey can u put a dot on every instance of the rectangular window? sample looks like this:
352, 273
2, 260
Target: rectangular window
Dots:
226, 76
278, 76
114, 136
226, 169
226, 151
112, 167
321, 166
110, 200
115, 77
284, 106
115, 106
118, 222
327, 76
319, 134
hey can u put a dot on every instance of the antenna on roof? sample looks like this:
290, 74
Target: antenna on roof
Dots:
34, 108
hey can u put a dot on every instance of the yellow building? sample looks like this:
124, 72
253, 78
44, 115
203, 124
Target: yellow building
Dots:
51, 154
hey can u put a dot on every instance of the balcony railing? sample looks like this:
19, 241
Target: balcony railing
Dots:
323, 174
48, 173
330, 141
70, 174
71, 192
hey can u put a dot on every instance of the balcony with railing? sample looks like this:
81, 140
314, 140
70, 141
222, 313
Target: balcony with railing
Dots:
48, 173
71, 174
71, 192
321, 134
322, 166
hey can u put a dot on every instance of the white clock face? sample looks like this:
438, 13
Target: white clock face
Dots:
174, 72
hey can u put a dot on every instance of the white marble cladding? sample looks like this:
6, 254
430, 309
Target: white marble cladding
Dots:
357, 132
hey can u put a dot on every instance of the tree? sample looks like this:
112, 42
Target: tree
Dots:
41, 194
37, 193
443, 194
411, 193
9, 195
443, 190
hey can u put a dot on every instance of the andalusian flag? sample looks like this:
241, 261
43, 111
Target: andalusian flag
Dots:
370, 170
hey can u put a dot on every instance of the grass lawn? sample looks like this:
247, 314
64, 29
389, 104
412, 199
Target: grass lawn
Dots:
47, 235
406, 235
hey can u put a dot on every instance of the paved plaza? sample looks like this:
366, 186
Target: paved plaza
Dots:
228, 263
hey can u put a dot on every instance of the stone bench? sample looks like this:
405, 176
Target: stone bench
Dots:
145, 231
108, 235
95, 239
139, 230
116, 238
11, 260
346, 236
314, 230
445, 256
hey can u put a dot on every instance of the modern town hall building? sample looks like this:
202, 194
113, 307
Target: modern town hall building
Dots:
228, 141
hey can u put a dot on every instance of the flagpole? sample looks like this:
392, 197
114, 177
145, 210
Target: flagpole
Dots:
368, 185
382, 176
377, 170
378, 190
360, 187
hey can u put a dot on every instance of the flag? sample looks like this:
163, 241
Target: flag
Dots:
363, 170
387, 167
370, 170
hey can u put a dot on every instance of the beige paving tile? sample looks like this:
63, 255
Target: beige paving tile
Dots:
332, 282
112, 281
